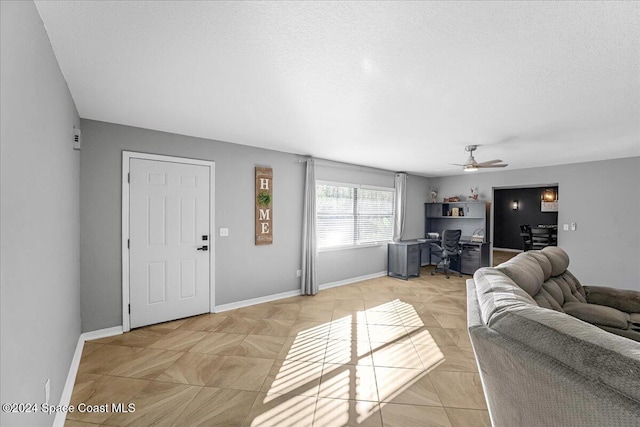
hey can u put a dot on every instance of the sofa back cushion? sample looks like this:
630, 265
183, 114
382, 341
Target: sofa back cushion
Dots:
543, 261
558, 258
568, 285
525, 271
497, 292
544, 276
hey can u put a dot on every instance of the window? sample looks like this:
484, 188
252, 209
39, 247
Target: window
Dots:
349, 215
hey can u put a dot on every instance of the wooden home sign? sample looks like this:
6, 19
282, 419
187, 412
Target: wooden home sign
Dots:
264, 206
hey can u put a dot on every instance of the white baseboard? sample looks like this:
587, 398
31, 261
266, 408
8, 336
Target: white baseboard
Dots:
65, 398
101, 333
507, 250
254, 301
352, 280
289, 294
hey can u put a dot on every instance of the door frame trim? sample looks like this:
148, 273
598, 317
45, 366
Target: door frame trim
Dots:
128, 155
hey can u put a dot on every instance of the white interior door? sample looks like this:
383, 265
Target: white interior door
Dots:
169, 263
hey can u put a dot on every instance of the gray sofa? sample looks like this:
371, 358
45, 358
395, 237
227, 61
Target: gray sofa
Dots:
540, 366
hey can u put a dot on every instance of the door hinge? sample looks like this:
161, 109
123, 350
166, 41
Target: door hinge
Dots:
129, 177
129, 308
128, 244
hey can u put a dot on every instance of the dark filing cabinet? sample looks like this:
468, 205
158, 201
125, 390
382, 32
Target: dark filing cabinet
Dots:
403, 259
474, 256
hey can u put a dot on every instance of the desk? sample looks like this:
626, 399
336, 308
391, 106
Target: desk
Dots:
405, 258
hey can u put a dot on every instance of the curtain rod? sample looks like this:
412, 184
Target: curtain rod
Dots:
344, 165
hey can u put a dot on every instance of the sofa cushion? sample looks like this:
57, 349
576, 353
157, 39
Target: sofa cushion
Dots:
566, 286
598, 314
625, 300
543, 261
558, 258
496, 291
547, 299
525, 271
576, 287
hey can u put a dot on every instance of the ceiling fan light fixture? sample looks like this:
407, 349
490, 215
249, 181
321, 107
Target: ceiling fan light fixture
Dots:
471, 165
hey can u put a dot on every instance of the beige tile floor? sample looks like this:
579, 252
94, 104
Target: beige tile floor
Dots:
382, 352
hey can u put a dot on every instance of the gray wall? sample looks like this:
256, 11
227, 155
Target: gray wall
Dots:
40, 288
243, 270
601, 197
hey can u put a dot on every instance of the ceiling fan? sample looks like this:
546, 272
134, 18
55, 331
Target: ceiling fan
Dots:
471, 165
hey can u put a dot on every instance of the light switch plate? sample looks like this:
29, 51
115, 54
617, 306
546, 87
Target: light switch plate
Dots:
573, 226
565, 227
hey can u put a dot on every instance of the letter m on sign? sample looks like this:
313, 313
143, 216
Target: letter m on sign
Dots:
264, 206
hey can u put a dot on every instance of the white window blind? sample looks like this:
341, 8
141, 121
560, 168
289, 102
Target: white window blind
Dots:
349, 215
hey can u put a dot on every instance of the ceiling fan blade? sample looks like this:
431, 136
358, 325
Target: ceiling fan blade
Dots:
502, 165
490, 162
456, 164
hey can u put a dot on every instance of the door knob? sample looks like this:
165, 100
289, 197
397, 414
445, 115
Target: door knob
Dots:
204, 248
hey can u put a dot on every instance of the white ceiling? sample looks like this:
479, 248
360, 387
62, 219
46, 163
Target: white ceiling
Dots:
394, 85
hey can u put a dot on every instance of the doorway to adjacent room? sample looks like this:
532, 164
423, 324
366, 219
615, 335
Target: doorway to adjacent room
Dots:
535, 207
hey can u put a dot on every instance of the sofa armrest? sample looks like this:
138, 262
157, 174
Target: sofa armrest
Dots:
622, 299
597, 314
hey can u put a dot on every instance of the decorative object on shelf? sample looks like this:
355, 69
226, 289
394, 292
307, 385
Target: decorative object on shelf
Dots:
455, 211
474, 194
478, 235
434, 195
264, 206
515, 205
452, 199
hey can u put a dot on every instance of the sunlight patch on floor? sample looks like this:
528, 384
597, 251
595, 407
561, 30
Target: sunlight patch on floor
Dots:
349, 365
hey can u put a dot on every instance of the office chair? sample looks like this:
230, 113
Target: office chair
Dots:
527, 239
449, 249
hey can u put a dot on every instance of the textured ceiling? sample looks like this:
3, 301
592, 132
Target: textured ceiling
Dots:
393, 85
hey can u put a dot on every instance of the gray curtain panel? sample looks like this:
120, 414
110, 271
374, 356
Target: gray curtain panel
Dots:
309, 252
400, 201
